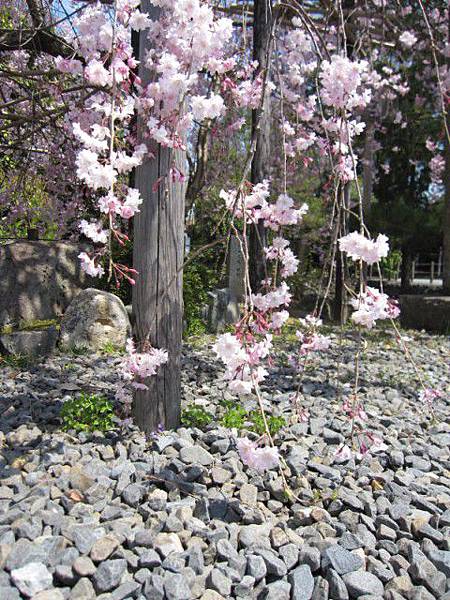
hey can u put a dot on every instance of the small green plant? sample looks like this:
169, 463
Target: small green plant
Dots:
317, 496
87, 412
79, 350
334, 494
110, 348
69, 367
390, 265
15, 361
234, 416
274, 423
195, 416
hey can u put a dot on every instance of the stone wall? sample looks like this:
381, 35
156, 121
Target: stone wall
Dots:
38, 280
431, 313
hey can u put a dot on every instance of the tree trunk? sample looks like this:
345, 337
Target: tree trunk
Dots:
406, 269
260, 170
339, 303
340, 309
367, 175
158, 257
446, 219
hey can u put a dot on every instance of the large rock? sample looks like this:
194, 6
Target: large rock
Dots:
431, 313
38, 280
93, 319
223, 310
29, 343
32, 579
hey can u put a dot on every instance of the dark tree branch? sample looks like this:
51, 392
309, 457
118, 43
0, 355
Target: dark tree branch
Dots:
35, 40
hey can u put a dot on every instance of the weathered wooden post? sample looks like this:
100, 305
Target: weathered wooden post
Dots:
446, 215
261, 124
158, 258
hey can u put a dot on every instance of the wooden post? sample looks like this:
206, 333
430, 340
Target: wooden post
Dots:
432, 272
446, 215
158, 257
260, 169
367, 165
340, 308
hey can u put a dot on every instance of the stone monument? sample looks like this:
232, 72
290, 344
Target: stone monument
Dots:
236, 269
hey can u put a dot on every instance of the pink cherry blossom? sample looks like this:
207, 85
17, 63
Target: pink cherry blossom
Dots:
429, 395
371, 306
93, 231
358, 247
136, 367
279, 318
408, 39
312, 342
437, 168
88, 265
342, 81
207, 108
259, 458
96, 73
139, 21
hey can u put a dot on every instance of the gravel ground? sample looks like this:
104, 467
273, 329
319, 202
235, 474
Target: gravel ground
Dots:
117, 516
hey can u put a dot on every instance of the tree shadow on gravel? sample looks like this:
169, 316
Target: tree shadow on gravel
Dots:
31, 398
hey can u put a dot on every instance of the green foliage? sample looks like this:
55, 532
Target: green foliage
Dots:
110, 348
197, 280
317, 496
79, 350
27, 193
15, 361
33, 325
195, 416
88, 412
308, 240
234, 417
69, 367
391, 264
274, 423
403, 190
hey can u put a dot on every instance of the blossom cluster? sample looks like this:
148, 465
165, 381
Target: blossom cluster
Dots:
105, 45
326, 116
255, 207
186, 40
241, 360
265, 312
136, 367
187, 45
372, 305
310, 340
241, 352
260, 458
358, 247
429, 395
342, 82
89, 266
279, 250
